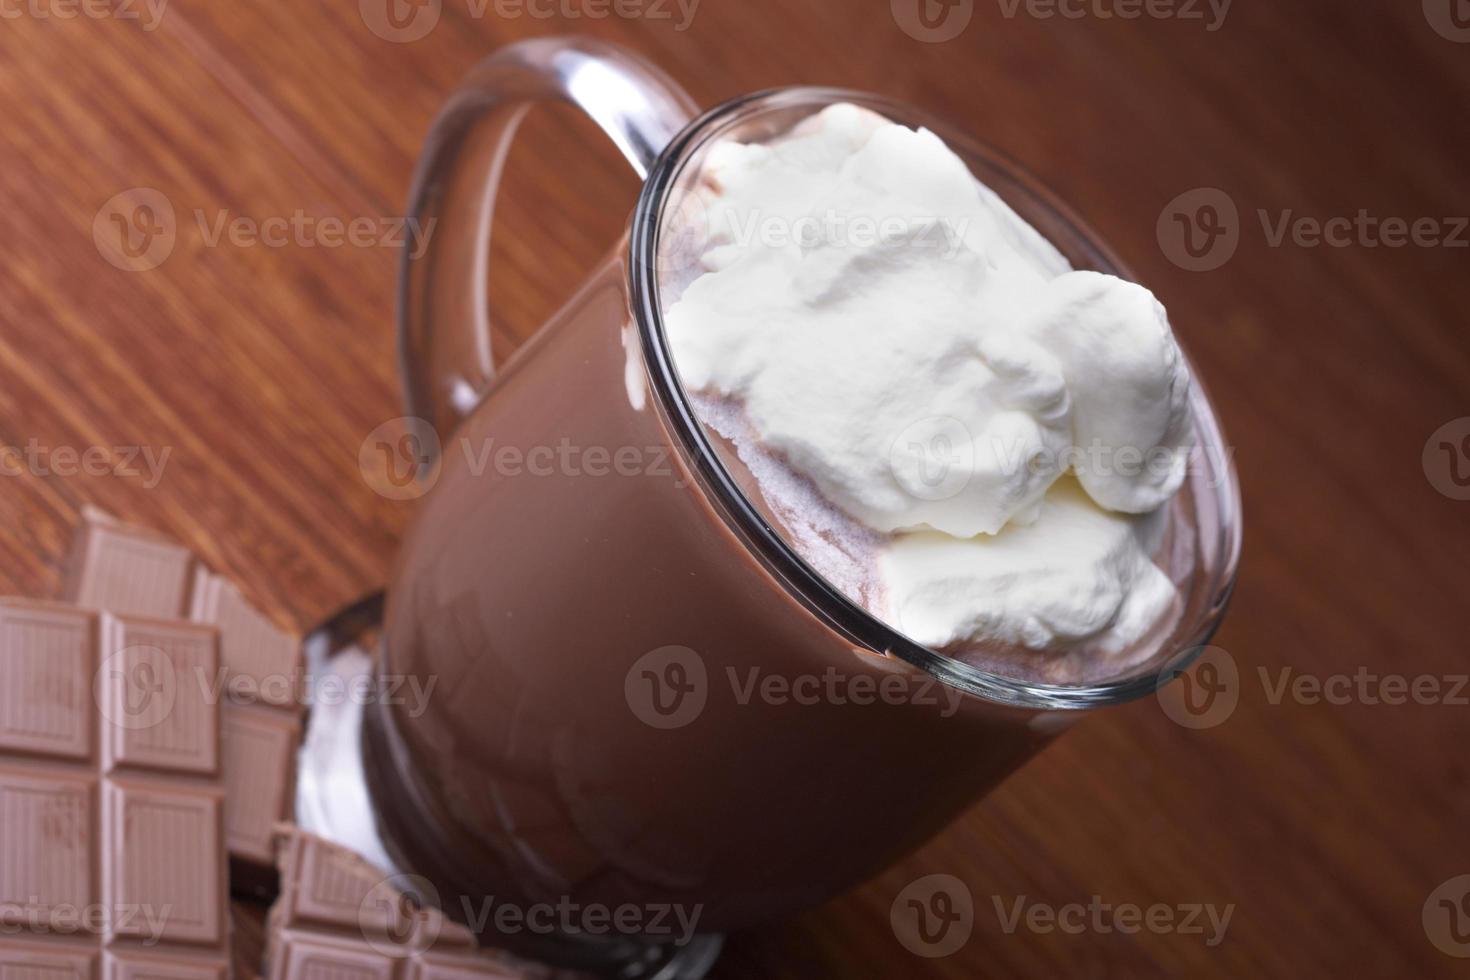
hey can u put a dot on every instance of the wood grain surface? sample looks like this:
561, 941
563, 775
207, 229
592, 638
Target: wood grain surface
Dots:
259, 369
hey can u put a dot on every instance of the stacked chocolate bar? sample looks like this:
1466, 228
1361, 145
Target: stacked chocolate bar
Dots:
134, 571
148, 727
340, 917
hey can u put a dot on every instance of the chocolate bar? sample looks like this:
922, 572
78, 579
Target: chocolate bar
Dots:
339, 916
111, 805
131, 570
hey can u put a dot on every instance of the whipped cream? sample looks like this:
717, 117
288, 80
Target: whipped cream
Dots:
967, 436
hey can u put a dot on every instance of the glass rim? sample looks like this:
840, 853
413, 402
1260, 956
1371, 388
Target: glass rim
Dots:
794, 573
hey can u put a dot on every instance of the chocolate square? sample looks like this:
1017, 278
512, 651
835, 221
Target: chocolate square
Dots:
126, 569
46, 671
157, 687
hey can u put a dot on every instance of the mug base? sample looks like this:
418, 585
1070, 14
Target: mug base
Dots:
334, 802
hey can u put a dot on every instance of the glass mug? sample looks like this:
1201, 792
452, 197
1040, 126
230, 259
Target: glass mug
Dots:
603, 638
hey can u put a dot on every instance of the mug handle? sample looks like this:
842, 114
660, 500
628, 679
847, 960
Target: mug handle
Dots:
443, 295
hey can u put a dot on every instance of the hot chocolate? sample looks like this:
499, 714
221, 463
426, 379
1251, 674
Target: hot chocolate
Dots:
667, 680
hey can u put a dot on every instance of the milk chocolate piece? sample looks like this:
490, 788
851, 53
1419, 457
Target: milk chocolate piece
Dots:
340, 917
262, 725
262, 662
111, 830
259, 765
126, 570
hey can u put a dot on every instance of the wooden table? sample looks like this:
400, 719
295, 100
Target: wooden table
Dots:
260, 368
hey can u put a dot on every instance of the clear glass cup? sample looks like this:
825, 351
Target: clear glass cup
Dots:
590, 629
